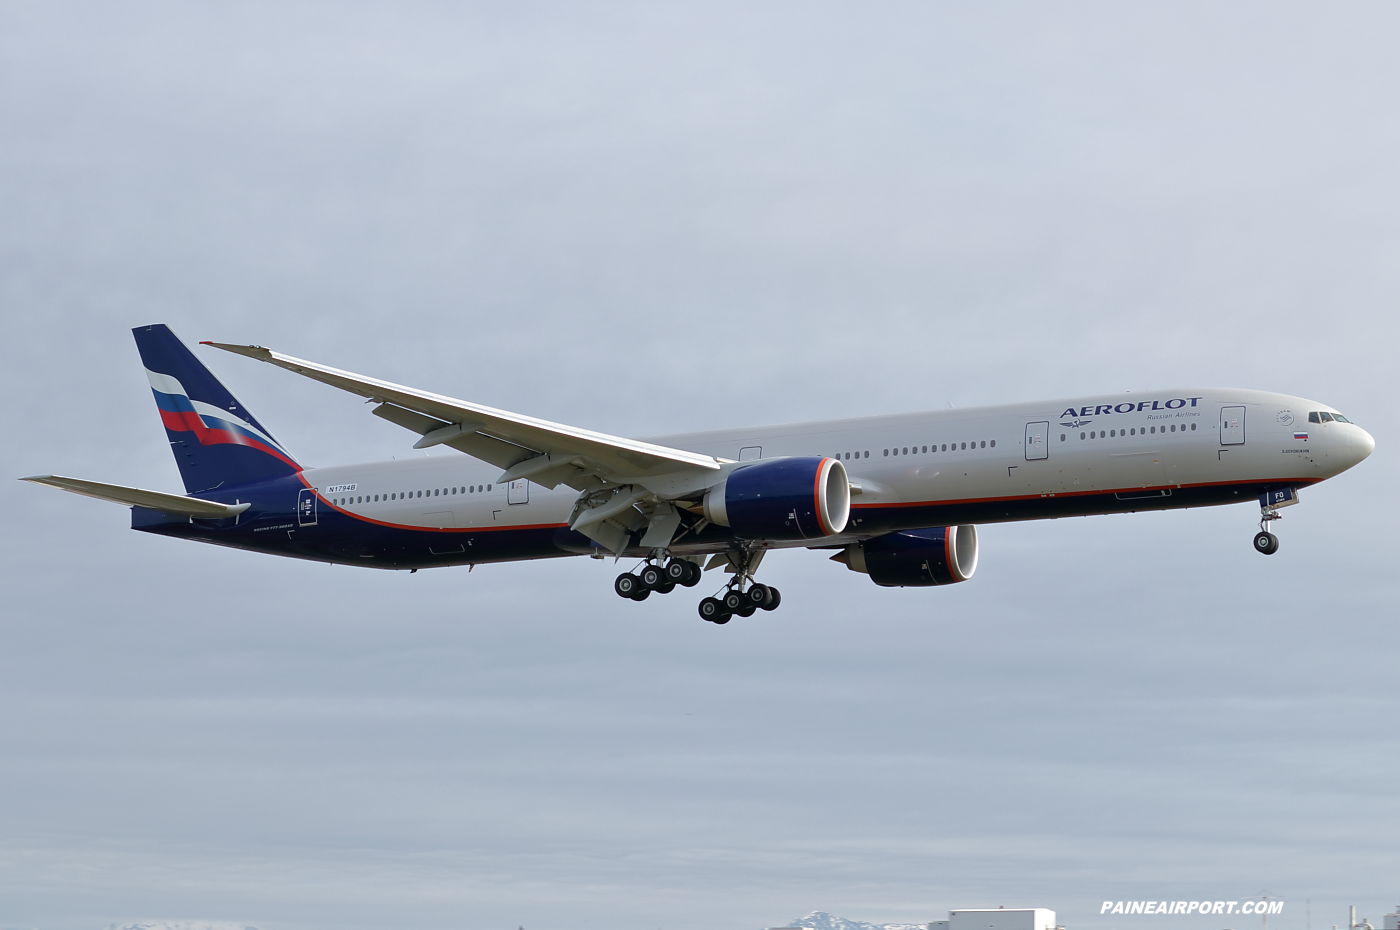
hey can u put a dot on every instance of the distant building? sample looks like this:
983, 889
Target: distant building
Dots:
1001, 918
1392, 921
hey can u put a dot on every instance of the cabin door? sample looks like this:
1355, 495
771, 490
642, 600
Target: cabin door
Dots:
306, 507
518, 492
1037, 440
1232, 426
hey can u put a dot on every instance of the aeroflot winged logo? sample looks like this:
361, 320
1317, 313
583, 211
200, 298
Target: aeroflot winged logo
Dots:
1100, 410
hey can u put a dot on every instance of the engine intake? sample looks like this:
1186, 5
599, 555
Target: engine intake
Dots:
916, 558
803, 497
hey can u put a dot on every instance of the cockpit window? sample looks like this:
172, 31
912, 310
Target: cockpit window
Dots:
1314, 418
1339, 418
1326, 417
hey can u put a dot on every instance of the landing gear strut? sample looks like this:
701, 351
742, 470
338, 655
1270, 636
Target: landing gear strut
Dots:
1264, 541
742, 596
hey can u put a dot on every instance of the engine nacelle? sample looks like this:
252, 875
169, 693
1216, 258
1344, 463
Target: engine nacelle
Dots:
916, 558
804, 497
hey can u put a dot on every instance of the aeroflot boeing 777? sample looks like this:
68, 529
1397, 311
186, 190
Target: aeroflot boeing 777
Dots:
896, 497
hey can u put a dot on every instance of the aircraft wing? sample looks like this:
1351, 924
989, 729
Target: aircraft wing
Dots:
547, 453
136, 497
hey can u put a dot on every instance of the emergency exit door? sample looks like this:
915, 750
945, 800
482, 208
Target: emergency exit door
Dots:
1037, 441
1232, 426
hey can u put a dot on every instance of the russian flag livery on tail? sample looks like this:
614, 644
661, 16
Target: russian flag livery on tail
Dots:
897, 497
216, 441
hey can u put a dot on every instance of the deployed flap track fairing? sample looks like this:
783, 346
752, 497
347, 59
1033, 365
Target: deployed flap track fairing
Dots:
897, 497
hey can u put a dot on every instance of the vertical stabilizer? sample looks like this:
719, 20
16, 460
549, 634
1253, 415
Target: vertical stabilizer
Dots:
216, 441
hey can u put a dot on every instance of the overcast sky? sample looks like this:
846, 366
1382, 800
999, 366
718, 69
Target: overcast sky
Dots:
658, 217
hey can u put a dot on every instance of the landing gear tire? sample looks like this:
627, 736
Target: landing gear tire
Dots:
756, 595
641, 595
774, 599
733, 600
627, 585
1267, 543
696, 573
747, 611
722, 618
712, 609
666, 587
652, 577
678, 571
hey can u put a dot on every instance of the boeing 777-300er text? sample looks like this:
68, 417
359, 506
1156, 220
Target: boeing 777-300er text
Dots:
896, 497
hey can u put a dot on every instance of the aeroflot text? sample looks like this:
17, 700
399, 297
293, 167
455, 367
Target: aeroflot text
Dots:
1191, 907
1099, 410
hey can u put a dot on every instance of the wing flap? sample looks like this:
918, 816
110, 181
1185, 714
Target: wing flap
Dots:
137, 497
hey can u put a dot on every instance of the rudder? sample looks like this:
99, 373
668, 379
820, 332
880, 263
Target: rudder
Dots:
215, 440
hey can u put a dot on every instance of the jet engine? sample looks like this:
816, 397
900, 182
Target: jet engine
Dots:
803, 497
916, 558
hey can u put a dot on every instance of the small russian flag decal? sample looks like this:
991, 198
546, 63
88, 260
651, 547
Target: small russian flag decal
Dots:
1303, 437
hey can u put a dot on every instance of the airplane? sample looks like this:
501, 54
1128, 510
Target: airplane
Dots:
896, 497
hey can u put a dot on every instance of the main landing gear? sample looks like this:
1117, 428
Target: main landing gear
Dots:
657, 577
742, 595
740, 600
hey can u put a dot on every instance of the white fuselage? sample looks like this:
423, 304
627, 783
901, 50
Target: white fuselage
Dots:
1129, 446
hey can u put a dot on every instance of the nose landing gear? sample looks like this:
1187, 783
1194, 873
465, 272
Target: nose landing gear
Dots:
1264, 541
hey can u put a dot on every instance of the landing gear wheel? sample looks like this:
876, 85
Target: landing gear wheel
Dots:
641, 595
652, 577
627, 585
1266, 543
756, 595
774, 599
722, 618
696, 573
733, 600
711, 609
666, 587
746, 611
678, 571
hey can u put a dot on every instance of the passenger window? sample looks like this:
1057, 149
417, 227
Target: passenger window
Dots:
1313, 417
1193, 425
925, 448
488, 487
994, 443
984, 444
1081, 435
1173, 427
1062, 437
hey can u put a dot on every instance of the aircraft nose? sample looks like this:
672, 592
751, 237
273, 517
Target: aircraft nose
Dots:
1362, 443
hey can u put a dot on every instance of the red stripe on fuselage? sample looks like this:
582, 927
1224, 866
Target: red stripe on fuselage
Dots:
1057, 494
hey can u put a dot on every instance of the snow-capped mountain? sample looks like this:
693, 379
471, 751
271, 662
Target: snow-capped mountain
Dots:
821, 920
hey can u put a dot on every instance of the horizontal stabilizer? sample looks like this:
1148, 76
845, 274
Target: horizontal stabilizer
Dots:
136, 497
